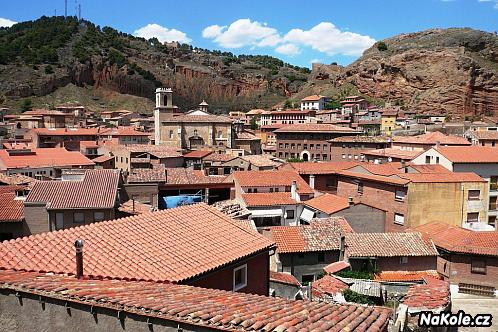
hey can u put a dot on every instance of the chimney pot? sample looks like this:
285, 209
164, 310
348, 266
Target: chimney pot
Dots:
350, 200
78, 245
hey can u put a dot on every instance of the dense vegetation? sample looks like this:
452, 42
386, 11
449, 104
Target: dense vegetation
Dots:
356, 274
36, 42
352, 296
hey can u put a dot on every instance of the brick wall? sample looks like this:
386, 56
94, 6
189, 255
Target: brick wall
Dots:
376, 194
415, 263
456, 269
36, 217
258, 276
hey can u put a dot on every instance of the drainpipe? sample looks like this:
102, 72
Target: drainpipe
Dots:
342, 248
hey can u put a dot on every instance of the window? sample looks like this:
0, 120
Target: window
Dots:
171, 134
473, 217
306, 279
195, 132
427, 159
478, 266
403, 260
321, 257
59, 220
98, 216
271, 190
79, 217
400, 195
289, 214
493, 183
437, 160
343, 156
492, 221
249, 190
277, 190
240, 277
399, 218
220, 134
474, 195
360, 187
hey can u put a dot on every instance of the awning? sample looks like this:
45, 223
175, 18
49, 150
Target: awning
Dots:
307, 214
267, 213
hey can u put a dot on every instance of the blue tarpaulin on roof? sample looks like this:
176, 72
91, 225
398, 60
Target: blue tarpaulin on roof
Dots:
170, 202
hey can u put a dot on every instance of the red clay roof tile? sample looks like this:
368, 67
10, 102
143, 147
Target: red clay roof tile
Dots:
284, 278
319, 235
388, 245
168, 245
272, 178
43, 157
268, 199
328, 203
336, 267
433, 295
405, 276
209, 308
470, 154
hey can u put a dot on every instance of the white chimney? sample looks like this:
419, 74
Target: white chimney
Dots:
294, 190
312, 181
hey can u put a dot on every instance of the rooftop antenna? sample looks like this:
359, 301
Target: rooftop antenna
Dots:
65, 8
79, 12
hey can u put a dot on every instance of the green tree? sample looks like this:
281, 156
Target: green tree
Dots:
26, 105
49, 69
254, 123
332, 104
381, 46
288, 104
352, 296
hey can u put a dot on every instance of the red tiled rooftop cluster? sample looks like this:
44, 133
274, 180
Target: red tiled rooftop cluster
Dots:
328, 203
328, 286
43, 157
393, 276
169, 245
272, 179
11, 210
268, 199
210, 308
433, 295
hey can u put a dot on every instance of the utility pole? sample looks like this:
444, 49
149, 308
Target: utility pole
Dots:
79, 12
65, 8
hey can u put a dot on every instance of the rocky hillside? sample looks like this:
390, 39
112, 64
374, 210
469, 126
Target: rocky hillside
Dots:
447, 71
56, 60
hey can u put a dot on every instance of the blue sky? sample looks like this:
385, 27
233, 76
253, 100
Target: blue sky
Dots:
299, 32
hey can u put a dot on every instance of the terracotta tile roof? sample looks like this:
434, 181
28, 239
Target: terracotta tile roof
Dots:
328, 286
263, 160
44, 112
386, 169
168, 245
17, 179
102, 159
329, 167
389, 112
394, 180
312, 98
320, 235
388, 245
197, 154
460, 240
206, 308
433, 295
89, 144
134, 208
328, 203
315, 128
198, 119
469, 154
485, 134
223, 157
11, 210
17, 145
147, 175
183, 176
159, 151
405, 276
122, 131
67, 131
393, 153
268, 199
441, 177
247, 136
430, 168
294, 111
431, 139
256, 112
336, 267
98, 189
272, 179
284, 278
43, 157
273, 126
368, 122
362, 139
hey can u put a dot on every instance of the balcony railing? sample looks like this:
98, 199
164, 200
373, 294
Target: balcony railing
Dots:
492, 206
493, 186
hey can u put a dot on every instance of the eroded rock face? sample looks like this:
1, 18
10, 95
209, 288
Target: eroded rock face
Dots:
451, 71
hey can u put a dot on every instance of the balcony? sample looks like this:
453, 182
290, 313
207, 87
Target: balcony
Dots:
493, 186
492, 206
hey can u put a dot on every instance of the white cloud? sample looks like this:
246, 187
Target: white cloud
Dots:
212, 31
316, 61
287, 49
162, 34
5, 22
241, 33
326, 38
